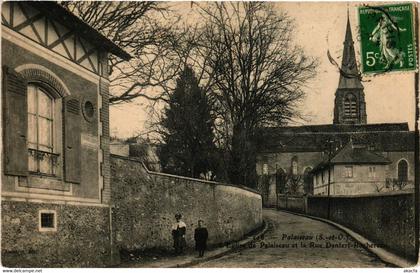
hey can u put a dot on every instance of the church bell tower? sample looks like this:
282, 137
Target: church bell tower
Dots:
349, 105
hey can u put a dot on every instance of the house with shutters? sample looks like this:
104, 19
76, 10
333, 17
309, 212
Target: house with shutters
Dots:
55, 181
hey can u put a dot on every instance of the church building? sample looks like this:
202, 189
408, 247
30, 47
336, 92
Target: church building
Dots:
290, 155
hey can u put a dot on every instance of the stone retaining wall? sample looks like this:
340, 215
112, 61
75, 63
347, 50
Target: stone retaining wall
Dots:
145, 204
386, 219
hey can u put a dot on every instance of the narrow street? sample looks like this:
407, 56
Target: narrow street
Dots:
280, 246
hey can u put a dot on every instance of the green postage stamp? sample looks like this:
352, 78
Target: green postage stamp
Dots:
387, 38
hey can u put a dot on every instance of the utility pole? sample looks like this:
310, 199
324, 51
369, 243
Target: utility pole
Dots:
330, 141
277, 184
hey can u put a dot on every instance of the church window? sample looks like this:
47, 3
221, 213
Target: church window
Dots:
308, 180
294, 165
280, 181
402, 170
265, 169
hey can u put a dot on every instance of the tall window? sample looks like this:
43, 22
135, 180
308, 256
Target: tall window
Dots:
308, 180
280, 181
350, 107
294, 165
41, 131
265, 169
403, 170
348, 171
372, 172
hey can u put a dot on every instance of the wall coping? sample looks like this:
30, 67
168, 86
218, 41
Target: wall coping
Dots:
379, 194
184, 177
290, 195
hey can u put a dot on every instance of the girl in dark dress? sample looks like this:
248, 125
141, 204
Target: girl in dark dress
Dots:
200, 237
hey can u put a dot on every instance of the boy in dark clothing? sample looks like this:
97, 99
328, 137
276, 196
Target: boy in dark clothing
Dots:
200, 237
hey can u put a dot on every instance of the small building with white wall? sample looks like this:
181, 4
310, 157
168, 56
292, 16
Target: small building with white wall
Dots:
352, 170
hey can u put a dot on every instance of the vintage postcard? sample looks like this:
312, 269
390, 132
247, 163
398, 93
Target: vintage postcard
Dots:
140, 134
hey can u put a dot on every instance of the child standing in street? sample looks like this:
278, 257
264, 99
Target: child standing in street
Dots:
200, 237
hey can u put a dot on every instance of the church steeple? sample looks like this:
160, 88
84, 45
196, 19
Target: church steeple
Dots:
350, 106
349, 76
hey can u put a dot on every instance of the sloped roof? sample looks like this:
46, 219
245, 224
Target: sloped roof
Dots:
381, 137
59, 13
352, 154
355, 154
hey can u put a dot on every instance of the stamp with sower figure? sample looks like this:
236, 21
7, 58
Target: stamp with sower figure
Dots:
387, 38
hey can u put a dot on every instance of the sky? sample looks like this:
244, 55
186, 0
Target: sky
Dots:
320, 26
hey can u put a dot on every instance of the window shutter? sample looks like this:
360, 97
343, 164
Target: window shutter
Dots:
15, 118
72, 145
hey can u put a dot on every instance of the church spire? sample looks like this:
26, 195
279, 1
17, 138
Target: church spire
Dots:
349, 76
348, 37
350, 105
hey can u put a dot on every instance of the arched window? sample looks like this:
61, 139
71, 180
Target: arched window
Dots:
41, 129
307, 170
295, 165
265, 169
350, 107
402, 170
308, 180
280, 180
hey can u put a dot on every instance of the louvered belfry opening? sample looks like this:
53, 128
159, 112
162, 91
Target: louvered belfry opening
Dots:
350, 108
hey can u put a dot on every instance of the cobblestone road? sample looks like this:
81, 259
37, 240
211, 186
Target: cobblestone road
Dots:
282, 246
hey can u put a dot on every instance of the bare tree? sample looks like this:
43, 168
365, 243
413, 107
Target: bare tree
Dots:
253, 74
243, 56
148, 33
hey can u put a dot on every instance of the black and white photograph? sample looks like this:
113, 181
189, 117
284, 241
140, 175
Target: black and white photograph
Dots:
204, 134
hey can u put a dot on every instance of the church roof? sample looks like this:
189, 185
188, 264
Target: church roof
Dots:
336, 128
349, 74
313, 138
